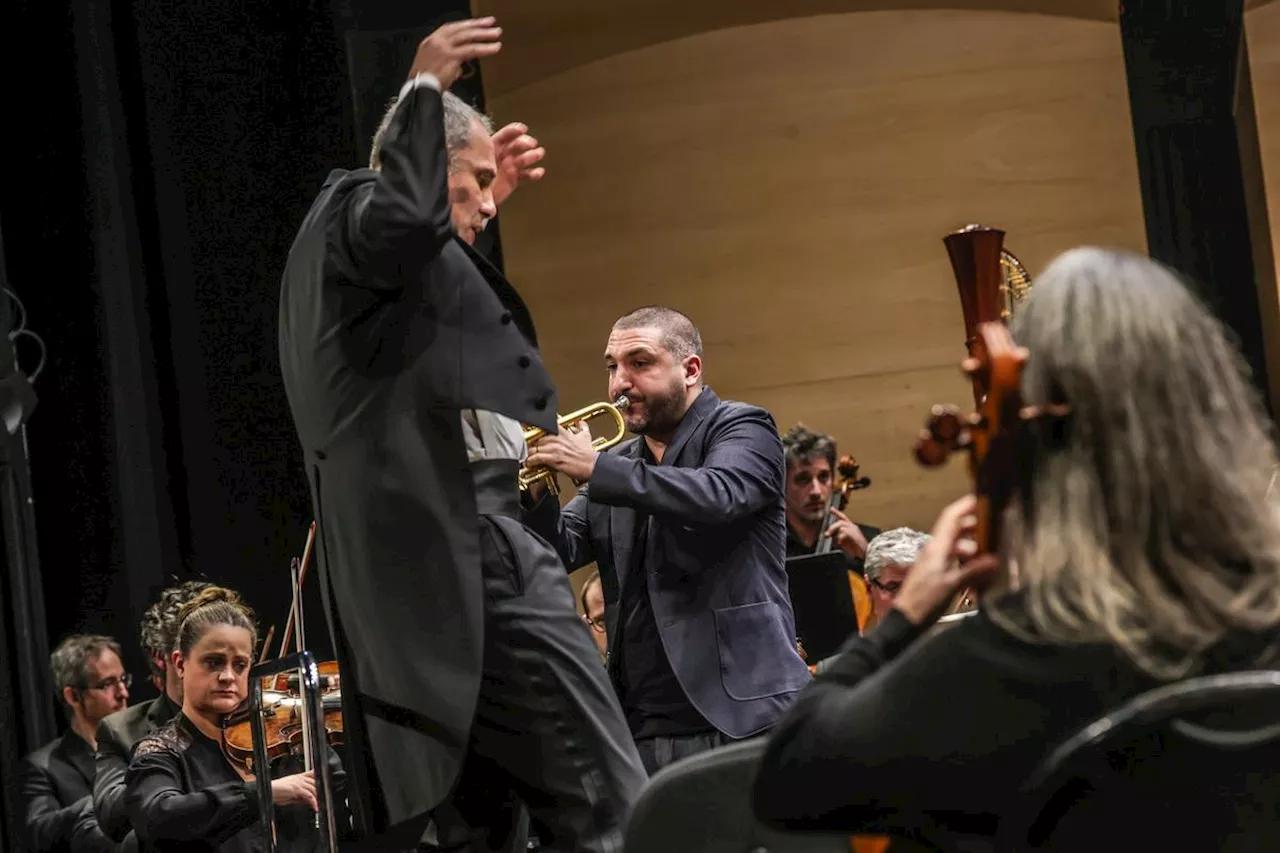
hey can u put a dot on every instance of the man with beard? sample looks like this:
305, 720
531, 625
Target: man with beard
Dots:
811, 466
686, 523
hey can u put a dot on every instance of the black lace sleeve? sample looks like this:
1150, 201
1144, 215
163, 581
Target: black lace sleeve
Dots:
162, 809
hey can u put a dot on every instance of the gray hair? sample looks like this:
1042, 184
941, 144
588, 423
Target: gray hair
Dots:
460, 120
1141, 520
70, 660
680, 337
898, 547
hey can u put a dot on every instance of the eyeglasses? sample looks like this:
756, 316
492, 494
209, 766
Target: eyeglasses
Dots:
890, 588
597, 625
125, 680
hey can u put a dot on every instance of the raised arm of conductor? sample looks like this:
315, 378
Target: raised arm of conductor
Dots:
404, 217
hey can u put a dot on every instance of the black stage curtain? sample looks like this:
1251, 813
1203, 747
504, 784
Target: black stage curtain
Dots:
160, 159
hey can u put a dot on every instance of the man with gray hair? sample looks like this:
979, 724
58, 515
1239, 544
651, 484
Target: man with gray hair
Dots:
890, 556
471, 687
57, 779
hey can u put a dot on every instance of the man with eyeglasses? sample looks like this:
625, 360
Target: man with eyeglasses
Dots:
57, 779
890, 555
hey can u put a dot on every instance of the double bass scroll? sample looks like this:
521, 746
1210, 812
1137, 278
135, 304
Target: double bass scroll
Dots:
992, 436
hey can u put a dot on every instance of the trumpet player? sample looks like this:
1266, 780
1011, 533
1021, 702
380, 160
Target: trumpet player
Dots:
686, 524
469, 683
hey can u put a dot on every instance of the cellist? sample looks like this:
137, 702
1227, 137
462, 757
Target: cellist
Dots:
1131, 489
816, 522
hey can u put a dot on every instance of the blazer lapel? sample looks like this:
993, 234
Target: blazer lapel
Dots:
77, 754
502, 288
705, 403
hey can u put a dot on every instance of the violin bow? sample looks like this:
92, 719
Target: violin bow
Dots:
297, 589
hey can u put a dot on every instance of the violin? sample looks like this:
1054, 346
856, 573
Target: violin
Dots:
282, 719
282, 695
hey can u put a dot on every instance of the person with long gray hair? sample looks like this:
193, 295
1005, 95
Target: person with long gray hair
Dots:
472, 693
1145, 551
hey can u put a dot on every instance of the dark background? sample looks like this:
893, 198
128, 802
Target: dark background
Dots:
159, 157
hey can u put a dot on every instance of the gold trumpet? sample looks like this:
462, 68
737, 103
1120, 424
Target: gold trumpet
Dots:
529, 476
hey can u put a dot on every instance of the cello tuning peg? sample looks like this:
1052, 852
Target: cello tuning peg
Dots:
930, 452
944, 424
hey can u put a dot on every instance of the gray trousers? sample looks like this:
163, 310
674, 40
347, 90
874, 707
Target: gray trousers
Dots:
659, 751
549, 740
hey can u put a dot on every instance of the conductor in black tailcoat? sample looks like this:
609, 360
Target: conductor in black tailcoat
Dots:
409, 363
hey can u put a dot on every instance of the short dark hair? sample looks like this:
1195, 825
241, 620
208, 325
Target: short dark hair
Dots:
802, 444
70, 661
160, 623
680, 337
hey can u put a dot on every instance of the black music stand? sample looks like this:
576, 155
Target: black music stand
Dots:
822, 601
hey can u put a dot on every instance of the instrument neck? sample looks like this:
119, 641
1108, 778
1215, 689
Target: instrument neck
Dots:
838, 500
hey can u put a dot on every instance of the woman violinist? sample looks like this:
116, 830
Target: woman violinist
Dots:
1145, 553
181, 791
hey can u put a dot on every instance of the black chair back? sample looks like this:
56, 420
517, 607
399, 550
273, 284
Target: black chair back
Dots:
1191, 766
702, 804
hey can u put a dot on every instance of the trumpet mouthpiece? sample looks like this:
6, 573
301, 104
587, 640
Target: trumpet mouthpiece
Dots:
622, 402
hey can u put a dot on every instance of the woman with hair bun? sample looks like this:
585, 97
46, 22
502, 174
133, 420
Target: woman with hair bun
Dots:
181, 791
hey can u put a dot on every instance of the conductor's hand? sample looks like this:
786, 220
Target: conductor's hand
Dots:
517, 155
443, 52
296, 790
946, 565
569, 452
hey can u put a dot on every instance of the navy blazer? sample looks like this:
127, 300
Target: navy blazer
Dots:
716, 544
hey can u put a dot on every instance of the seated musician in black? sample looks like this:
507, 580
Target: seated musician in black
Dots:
811, 473
1144, 553
181, 791
811, 521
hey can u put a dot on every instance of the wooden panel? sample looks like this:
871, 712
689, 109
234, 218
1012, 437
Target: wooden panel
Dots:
546, 37
1262, 31
788, 185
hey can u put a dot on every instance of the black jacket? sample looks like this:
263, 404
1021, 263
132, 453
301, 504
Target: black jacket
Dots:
57, 781
389, 326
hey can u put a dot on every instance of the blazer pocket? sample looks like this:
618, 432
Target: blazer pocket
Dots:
757, 658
